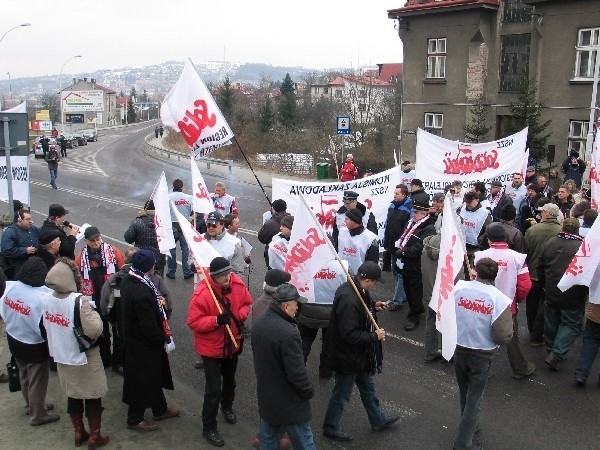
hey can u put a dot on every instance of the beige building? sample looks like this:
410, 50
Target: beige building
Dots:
86, 103
459, 51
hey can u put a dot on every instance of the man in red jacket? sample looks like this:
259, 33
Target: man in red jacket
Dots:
211, 325
348, 171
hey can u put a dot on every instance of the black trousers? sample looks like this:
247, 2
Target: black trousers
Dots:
117, 334
105, 353
135, 415
413, 287
308, 336
219, 375
93, 407
535, 311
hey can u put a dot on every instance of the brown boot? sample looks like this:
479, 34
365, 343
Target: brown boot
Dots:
95, 439
80, 433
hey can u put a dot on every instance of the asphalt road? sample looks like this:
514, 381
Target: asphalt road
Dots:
107, 182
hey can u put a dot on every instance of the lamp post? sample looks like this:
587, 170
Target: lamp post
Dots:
62, 118
14, 28
9, 86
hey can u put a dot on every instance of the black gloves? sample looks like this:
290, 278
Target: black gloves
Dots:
223, 319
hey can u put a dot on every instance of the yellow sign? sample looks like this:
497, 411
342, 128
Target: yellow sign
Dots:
43, 114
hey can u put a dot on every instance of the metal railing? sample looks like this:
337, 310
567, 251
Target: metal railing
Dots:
178, 155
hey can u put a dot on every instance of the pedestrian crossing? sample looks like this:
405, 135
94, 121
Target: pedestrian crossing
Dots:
80, 160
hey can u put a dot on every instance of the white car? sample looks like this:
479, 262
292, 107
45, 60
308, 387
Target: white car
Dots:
38, 152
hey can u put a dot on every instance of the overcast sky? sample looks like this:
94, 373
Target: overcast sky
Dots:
111, 34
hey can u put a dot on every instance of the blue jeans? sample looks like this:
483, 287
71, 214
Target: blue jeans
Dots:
172, 260
471, 374
399, 294
53, 176
589, 349
340, 396
301, 435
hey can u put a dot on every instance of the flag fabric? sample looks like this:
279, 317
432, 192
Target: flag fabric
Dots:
583, 268
20, 108
202, 252
594, 169
190, 109
452, 251
202, 202
309, 250
525, 164
162, 217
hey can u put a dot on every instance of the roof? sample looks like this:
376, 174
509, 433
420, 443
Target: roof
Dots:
425, 6
389, 71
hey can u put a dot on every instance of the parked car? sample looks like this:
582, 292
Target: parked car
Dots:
71, 141
90, 135
38, 151
81, 139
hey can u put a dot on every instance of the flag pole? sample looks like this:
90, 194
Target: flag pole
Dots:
252, 170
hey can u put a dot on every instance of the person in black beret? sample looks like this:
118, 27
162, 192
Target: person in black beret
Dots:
49, 247
355, 243
350, 201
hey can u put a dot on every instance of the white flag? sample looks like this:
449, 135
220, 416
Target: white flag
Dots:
583, 268
20, 108
201, 250
309, 250
162, 217
190, 109
202, 202
525, 164
594, 171
452, 251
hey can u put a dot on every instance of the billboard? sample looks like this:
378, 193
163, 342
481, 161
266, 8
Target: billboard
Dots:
81, 101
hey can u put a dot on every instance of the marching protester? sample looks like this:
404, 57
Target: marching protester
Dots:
517, 190
398, 214
530, 175
527, 212
587, 220
497, 198
355, 352
355, 243
481, 191
417, 192
479, 336
546, 190
80, 370
232, 225
68, 231
272, 226
147, 340
51, 156
19, 242
21, 308
224, 243
283, 386
514, 281
564, 200
278, 247
457, 194
563, 311
97, 261
506, 222
142, 234
350, 200
535, 240
554, 180
216, 324
348, 171
590, 342
183, 204
222, 201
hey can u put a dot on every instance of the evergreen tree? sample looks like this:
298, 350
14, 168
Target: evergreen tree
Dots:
287, 108
527, 111
131, 114
225, 99
478, 129
266, 116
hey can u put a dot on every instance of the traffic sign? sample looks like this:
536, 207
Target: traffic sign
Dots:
343, 125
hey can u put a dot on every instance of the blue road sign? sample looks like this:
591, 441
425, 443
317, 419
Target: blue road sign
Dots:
343, 125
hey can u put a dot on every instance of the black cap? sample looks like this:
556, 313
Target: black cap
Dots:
91, 232
288, 292
48, 236
354, 215
214, 217
508, 212
370, 270
350, 195
497, 183
56, 210
17, 205
276, 277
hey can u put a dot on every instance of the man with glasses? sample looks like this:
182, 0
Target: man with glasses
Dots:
226, 245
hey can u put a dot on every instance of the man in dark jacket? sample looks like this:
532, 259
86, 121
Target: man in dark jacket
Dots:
350, 200
563, 311
19, 242
514, 236
354, 346
399, 213
142, 234
573, 167
146, 339
417, 193
497, 199
409, 252
56, 221
282, 383
564, 200
271, 226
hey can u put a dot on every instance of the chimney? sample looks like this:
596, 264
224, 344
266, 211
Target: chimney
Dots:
85, 79
74, 80
93, 80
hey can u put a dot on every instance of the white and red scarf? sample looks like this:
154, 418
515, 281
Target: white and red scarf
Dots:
410, 229
109, 260
495, 199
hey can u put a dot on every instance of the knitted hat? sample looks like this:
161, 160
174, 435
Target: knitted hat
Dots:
508, 212
354, 215
33, 272
143, 260
219, 267
276, 277
48, 236
17, 205
287, 221
287, 292
279, 205
496, 233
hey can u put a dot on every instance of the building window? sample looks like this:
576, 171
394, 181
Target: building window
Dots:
578, 131
362, 93
325, 90
436, 58
587, 43
517, 11
514, 63
434, 123
338, 93
362, 107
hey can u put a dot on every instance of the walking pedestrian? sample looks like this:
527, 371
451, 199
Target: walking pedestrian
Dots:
52, 158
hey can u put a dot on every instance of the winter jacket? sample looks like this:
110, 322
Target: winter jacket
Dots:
420, 196
398, 215
565, 207
535, 238
514, 241
212, 340
67, 242
411, 253
271, 227
348, 171
573, 171
504, 200
429, 263
283, 386
142, 234
14, 243
554, 260
370, 225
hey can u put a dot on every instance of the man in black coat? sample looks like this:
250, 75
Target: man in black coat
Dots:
146, 340
56, 221
409, 252
417, 193
282, 382
271, 226
354, 347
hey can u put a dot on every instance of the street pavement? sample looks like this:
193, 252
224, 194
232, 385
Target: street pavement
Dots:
545, 412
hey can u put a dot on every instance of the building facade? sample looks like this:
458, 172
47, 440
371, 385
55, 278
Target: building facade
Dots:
86, 103
460, 52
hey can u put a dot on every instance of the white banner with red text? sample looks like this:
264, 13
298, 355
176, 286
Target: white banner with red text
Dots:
162, 217
324, 199
20, 179
595, 171
202, 202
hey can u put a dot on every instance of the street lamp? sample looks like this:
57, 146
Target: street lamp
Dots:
14, 28
9, 86
62, 119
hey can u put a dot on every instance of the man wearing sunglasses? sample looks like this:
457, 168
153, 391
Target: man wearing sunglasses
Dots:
228, 246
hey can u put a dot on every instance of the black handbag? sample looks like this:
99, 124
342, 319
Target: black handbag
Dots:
14, 382
84, 342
